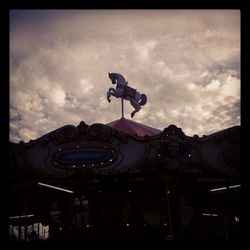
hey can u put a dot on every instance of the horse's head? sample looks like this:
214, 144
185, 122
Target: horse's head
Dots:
112, 77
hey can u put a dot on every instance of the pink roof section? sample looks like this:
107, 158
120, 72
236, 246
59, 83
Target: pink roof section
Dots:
132, 127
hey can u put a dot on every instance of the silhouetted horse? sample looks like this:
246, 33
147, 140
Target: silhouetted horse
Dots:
122, 90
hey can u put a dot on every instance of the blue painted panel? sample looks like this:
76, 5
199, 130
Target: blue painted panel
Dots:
82, 156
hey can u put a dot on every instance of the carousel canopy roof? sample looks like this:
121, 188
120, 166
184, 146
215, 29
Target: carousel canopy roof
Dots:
132, 127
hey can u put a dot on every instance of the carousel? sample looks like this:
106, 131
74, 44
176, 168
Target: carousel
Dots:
125, 180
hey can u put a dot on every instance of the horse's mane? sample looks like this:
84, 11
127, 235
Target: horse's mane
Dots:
116, 76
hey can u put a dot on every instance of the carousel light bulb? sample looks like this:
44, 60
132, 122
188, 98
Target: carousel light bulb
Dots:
237, 219
127, 224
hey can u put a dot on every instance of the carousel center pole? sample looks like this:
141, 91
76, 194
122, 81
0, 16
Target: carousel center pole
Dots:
122, 106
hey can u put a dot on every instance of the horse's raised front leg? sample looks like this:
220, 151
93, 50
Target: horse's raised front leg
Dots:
108, 96
112, 92
109, 93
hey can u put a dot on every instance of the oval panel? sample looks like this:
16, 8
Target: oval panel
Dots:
82, 156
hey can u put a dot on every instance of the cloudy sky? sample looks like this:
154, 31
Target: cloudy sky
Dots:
187, 62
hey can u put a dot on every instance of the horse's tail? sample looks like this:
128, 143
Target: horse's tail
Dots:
143, 100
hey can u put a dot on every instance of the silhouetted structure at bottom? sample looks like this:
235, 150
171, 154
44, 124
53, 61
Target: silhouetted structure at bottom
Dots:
125, 180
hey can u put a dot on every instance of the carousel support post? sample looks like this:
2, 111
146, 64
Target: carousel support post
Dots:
38, 229
169, 209
226, 215
122, 106
26, 214
19, 232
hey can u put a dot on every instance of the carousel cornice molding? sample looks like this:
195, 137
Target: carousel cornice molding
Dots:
120, 152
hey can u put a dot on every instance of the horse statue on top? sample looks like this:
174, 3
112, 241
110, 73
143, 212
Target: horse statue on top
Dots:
122, 90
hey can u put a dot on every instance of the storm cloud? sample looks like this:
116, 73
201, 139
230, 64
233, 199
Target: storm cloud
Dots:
187, 62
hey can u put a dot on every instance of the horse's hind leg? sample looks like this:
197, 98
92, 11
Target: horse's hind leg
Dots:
136, 105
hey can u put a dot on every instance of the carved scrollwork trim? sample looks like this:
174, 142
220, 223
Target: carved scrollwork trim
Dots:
173, 148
